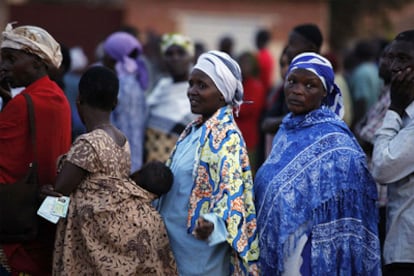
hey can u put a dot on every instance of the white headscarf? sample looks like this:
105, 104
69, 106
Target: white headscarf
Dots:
226, 75
33, 40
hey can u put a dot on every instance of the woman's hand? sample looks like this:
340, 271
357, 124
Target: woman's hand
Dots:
203, 229
48, 190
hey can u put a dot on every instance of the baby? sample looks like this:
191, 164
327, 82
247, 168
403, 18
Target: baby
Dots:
154, 177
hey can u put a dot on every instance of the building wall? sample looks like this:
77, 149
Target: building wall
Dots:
70, 24
175, 16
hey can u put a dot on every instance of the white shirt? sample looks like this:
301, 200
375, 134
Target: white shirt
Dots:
393, 164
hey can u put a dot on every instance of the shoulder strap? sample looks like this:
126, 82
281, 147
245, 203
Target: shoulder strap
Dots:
32, 125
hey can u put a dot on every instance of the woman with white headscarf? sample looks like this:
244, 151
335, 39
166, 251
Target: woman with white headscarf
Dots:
315, 198
209, 212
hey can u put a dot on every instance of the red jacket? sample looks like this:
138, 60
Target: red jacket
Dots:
53, 129
250, 113
266, 66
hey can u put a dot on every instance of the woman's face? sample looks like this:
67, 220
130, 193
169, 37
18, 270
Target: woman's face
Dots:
178, 61
205, 98
304, 91
17, 67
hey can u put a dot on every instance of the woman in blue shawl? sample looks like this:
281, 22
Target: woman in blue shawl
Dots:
315, 199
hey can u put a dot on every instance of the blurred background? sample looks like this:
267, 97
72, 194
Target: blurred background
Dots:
85, 23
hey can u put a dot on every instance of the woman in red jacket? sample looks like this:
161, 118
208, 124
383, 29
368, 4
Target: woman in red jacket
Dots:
27, 53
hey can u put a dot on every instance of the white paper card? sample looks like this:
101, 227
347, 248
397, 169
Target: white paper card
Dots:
53, 208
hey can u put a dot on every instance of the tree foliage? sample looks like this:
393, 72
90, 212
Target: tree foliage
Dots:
347, 15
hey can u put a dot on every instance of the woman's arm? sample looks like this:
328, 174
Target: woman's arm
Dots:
69, 178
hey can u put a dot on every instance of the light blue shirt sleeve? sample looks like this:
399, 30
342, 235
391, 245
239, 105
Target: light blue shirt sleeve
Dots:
391, 158
219, 233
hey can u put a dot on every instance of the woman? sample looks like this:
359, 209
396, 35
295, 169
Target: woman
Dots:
209, 211
314, 195
27, 55
168, 108
122, 53
111, 227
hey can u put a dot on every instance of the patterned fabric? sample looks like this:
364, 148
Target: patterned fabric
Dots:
315, 182
34, 40
158, 145
111, 227
223, 185
129, 116
171, 39
169, 112
372, 120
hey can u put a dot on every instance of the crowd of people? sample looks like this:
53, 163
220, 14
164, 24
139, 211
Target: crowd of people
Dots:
195, 161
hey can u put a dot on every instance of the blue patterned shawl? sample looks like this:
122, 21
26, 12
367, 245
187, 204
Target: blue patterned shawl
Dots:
315, 182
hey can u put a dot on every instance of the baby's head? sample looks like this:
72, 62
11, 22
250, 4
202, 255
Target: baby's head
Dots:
154, 177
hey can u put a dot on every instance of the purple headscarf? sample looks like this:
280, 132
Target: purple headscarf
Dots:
118, 46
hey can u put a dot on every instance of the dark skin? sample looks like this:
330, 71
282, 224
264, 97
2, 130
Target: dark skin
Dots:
402, 72
304, 91
71, 175
205, 99
178, 62
271, 124
18, 69
384, 66
297, 44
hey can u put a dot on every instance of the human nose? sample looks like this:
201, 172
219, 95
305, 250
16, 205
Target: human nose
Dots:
296, 88
191, 90
2, 72
4, 66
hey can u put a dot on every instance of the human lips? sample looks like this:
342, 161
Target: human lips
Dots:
193, 101
294, 102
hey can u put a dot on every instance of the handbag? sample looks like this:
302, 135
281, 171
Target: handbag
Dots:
19, 201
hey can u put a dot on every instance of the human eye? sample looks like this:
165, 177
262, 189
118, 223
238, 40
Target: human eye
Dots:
202, 85
290, 81
310, 85
402, 58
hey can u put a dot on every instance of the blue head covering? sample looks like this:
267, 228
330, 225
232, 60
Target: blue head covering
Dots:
321, 67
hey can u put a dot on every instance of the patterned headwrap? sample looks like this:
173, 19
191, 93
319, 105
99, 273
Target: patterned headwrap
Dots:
118, 46
321, 67
226, 75
169, 40
33, 40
